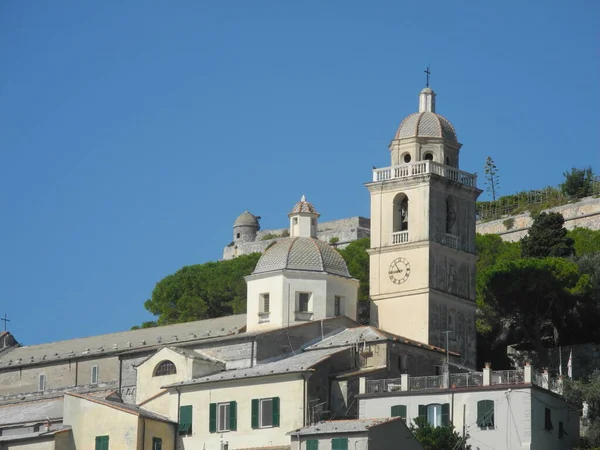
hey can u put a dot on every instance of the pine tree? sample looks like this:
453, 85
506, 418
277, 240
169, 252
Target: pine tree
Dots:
491, 177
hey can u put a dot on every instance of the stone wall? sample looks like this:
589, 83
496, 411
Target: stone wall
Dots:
344, 230
584, 213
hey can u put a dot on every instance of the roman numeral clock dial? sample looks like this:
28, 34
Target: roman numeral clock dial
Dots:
399, 270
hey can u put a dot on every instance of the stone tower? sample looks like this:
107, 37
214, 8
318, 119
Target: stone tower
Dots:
245, 228
422, 279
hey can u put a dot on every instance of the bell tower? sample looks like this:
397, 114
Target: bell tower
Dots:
422, 255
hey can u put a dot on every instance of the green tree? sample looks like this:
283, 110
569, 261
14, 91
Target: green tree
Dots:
578, 183
587, 390
547, 237
202, 291
437, 438
530, 300
491, 178
585, 241
491, 249
357, 260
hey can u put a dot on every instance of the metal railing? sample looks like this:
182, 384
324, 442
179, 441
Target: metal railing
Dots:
466, 379
400, 237
387, 385
507, 377
422, 383
424, 167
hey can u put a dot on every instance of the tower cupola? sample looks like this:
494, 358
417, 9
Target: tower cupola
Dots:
303, 219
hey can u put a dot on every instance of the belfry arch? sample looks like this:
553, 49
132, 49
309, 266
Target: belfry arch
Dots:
400, 213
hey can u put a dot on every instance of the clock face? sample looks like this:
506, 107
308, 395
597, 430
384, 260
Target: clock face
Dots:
399, 270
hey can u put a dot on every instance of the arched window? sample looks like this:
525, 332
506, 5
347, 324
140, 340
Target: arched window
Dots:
400, 213
447, 161
428, 156
238, 236
450, 214
407, 158
166, 367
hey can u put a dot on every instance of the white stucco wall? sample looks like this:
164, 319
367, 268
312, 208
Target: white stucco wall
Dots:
518, 416
283, 289
289, 388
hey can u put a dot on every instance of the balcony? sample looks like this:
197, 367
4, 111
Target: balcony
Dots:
400, 237
422, 168
451, 241
464, 380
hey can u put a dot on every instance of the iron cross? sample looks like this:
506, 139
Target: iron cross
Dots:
5, 320
428, 72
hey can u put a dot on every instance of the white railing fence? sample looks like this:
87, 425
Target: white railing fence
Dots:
425, 167
400, 237
387, 385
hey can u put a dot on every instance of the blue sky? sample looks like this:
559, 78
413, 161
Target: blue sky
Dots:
133, 133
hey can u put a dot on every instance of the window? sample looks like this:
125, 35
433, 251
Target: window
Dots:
156, 443
485, 413
265, 412
265, 303
561, 430
407, 158
165, 368
399, 411
101, 443
295, 221
303, 301
436, 415
339, 444
223, 417
185, 420
428, 157
42, 383
94, 379
337, 306
237, 236
312, 444
548, 420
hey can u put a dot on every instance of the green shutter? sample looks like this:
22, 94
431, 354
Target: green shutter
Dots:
101, 442
255, 413
312, 444
399, 411
275, 411
339, 444
185, 419
485, 413
232, 416
445, 414
212, 421
423, 411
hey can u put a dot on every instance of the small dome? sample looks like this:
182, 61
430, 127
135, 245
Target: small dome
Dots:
304, 207
427, 91
246, 219
426, 124
302, 253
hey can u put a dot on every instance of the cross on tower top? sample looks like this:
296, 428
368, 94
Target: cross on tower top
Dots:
428, 72
5, 320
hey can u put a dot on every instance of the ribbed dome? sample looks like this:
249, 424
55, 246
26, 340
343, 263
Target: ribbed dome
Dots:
304, 207
302, 253
426, 124
247, 219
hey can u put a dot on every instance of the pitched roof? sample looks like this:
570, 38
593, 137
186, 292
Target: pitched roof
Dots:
36, 434
31, 412
124, 341
125, 407
299, 363
358, 335
342, 426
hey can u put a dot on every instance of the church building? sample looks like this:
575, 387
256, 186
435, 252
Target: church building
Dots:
298, 356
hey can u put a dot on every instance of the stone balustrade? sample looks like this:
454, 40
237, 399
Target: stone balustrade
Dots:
400, 237
424, 167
